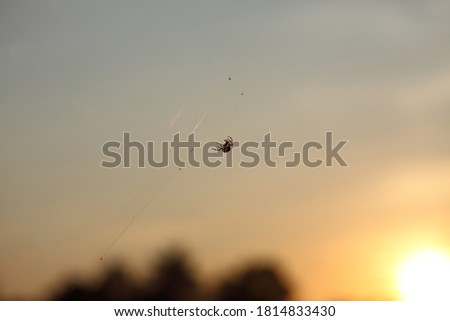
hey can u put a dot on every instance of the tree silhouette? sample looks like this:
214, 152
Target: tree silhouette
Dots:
259, 282
174, 278
116, 285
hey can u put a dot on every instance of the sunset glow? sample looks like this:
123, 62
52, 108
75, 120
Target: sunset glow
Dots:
425, 276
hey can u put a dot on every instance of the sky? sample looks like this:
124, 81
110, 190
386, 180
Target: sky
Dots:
76, 74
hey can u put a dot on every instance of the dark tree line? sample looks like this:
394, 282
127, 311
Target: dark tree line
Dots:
174, 278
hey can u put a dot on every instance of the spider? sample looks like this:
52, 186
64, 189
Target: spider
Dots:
226, 147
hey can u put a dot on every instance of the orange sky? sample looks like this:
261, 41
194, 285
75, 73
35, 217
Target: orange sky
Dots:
75, 75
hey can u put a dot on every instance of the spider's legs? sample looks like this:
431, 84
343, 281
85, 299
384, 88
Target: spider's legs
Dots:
219, 147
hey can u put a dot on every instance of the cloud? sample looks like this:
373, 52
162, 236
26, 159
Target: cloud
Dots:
426, 94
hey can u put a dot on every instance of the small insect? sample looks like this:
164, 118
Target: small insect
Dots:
226, 147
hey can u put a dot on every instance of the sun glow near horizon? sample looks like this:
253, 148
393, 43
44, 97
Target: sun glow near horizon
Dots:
425, 276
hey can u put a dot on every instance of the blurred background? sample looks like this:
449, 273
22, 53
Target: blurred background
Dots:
75, 75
